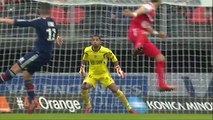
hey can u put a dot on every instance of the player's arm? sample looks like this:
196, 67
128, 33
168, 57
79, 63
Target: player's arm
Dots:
114, 59
27, 23
118, 70
144, 9
7, 21
159, 34
82, 68
21, 22
83, 64
59, 39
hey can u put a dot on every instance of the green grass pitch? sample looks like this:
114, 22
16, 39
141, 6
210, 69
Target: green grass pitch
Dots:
106, 117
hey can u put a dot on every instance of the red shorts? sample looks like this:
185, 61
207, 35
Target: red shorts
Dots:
140, 39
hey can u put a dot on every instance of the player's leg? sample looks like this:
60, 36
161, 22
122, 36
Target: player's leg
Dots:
138, 38
86, 97
160, 69
88, 83
108, 82
18, 67
29, 85
152, 51
32, 63
10, 73
30, 88
141, 39
113, 87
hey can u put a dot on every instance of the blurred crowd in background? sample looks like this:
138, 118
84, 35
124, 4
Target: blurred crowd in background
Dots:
108, 20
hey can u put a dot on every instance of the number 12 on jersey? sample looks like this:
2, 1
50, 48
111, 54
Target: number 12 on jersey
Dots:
51, 34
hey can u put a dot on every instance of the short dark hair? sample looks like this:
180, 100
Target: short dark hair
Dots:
97, 36
155, 1
45, 8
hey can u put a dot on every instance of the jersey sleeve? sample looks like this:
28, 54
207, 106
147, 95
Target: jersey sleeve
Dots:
27, 23
85, 55
111, 56
148, 7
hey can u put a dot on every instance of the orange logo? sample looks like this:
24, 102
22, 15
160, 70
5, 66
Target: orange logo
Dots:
4, 106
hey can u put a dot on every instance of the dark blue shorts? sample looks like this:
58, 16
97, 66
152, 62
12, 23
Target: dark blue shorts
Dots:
32, 62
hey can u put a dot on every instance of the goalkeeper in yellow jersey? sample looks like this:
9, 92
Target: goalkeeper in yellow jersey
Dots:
97, 57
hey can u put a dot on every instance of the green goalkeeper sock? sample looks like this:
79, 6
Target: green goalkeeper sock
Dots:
123, 99
86, 98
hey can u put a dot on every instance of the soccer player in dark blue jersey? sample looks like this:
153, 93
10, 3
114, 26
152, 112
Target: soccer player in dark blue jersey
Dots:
41, 54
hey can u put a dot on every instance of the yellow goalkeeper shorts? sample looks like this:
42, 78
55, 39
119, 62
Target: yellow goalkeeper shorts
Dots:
105, 79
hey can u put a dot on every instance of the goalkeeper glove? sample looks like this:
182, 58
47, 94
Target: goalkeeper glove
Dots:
82, 71
120, 72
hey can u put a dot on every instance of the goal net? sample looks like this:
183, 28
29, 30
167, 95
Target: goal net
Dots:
188, 51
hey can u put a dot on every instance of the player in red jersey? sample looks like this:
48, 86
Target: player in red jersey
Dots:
140, 28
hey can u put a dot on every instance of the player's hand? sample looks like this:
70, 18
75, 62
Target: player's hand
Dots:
1, 20
82, 71
128, 13
120, 72
7, 21
59, 41
162, 35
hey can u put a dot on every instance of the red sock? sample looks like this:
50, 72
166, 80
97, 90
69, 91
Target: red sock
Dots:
29, 86
160, 69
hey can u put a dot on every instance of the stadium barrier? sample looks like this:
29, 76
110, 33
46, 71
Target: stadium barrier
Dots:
61, 94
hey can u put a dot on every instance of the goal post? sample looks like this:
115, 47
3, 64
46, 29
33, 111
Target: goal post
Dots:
188, 50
